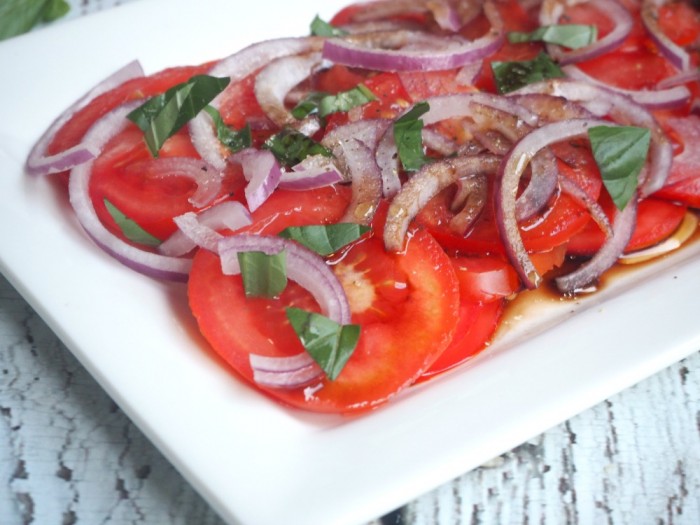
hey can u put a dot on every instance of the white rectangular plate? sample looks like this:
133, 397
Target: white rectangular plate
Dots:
253, 460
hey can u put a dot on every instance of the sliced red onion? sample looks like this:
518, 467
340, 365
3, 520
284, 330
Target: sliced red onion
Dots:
473, 196
237, 67
443, 11
304, 267
284, 372
584, 276
40, 163
206, 177
414, 51
366, 182
552, 10
687, 163
200, 229
570, 187
670, 98
263, 173
315, 171
153, 264
276, 80
603, 102
674, 53
684, 77
423, 186
511, 171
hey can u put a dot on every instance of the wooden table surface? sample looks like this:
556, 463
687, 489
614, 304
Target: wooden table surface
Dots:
68, 455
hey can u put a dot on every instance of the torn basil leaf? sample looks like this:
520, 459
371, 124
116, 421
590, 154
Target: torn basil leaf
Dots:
320, 27
409, 139
325, 104
160, 117
620, 152
263, 275
325, 239
19, 16
510, 76
290, 147
308, 105
573, 36
234, 140
129, 228
329, 343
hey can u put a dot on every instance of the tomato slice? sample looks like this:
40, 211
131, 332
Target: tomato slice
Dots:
407, 306
656, 220
485, 279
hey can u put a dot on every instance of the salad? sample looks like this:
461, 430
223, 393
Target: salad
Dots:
352, 211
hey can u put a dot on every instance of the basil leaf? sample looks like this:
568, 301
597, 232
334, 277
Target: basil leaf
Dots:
19, 16
160, 117
290, 147
325, 239
320, 27
572, 36
308, 105
129, 228
329, 343
345, 100
510, 76
620, 152
263, 275
408, 137
232, 139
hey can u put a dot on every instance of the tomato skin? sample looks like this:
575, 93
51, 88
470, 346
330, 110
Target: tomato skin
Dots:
391, 353
485, 279
656, 220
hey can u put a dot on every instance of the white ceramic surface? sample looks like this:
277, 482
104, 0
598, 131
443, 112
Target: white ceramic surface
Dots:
254, 461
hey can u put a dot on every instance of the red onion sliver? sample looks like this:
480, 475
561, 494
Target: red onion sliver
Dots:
674, 53
315, 171
39, 163
305, 267
153, 264
263, 173
669, 98
366, 182
207, 178
237, 67
200, 229
552, 10
623, 228
284, 372
423, 186
511, 170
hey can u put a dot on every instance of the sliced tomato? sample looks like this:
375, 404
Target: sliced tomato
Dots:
656, 220
127, 175
683, 184
407, 306
485, 279
139, 88
680, 22
477, 325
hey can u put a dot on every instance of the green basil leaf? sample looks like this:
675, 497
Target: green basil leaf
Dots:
510, 76
320, 27
290, 147
308, 105
160, 117
573, 36
19, 16
345, 100
620, 152
408, 137
329, 343
129, 228
325, 239
232, 139
263, 275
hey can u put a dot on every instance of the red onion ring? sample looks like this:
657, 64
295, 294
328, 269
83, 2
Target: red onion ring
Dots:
603, 102
473, 194
673, 53
366, 182
315, 171
304, 267
39, 163
444, 13
670, 98
200, 229
284, 372
423, 186
511, 170
206, 177
552, 10
623, 228
263, 173
276, 80
153, 264
237, 67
